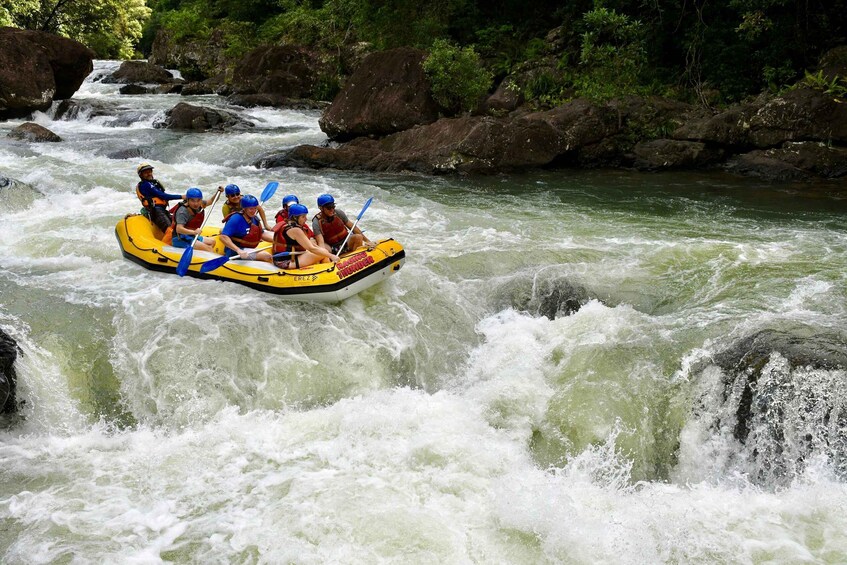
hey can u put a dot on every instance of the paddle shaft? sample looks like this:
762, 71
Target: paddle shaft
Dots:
362, 213
206, 216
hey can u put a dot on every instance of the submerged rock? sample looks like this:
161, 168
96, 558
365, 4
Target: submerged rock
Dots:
549, 295
140, 72
33, 133
201, 118
780, 396
8, 377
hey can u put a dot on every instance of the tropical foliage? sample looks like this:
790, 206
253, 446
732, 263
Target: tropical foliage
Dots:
712, 50
457, 79
111, 28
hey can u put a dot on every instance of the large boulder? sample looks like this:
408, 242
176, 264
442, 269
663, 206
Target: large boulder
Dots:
576, 131
140, 72
37, 68
387, 93
33, 133
201, 118
287, 71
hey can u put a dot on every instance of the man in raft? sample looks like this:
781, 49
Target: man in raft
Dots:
233, 204
188, 218
331, 226
153, 197
243, 230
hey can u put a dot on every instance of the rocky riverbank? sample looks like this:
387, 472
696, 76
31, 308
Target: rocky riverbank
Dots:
384, 118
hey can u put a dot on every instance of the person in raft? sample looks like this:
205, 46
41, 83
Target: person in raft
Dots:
233, 204
294, 237
282, 215
331, 226
243, 230
153, 197
187, 221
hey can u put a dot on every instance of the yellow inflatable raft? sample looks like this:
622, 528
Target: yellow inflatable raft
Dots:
326, 282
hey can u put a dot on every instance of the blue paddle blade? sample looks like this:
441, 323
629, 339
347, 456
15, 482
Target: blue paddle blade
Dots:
269, 191
282, 254
185, 261
213, 264
365, 207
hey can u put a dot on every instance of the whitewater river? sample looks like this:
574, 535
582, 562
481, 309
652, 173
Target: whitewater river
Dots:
455, 413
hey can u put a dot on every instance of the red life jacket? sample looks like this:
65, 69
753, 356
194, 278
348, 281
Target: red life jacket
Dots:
253, 237
282, 241
333, 231
282, 216
195, 222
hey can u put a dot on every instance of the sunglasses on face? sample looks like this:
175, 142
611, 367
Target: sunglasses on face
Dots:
236, 196
329, 206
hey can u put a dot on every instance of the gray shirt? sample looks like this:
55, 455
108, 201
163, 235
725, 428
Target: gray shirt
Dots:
182, 216
316, 223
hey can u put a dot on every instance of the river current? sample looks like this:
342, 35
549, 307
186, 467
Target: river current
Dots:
459, 412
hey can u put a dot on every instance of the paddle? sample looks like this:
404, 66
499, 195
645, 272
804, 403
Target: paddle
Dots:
185, 260
362, 213
268, 192
213, 264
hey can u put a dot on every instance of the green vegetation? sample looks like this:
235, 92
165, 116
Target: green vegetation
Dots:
836, 86
458, 80
716, 52
112, 28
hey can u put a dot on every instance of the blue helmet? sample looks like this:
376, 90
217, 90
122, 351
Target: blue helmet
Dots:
249, 201
193, 193
232, 190
297, 210
325, 199
290, 199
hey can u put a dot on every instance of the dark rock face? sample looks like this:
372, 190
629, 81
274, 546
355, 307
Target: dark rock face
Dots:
729, 128
506, 98
140, 72
8, 377
36, 68
834, 63
196, 60
285, 71
275, 100
671, 154
387, 93
477, 144
141, 89
781, 394
200, 118
33, 133
800, 114
792, 161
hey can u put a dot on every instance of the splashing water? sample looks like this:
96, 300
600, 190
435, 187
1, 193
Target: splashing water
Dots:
537, 385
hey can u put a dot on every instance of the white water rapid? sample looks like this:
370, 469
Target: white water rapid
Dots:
460, 412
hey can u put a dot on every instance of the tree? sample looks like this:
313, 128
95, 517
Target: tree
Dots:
110, 27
